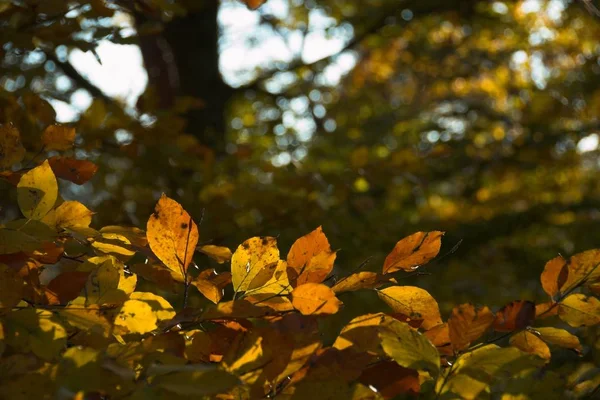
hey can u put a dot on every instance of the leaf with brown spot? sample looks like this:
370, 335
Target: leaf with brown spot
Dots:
277, 284
70, 169
250, 258
413, 302
530, 343
413, 251
554, 275
172, 235
37, 192
58, 137
467, 324
310, 258
315, 299
514, 316
11, 149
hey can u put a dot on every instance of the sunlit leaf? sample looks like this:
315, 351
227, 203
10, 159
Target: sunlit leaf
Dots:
67, 215
211, 284
580, 310
172, 234
218, 253
70, 169
250, 258
143, 311
530, 343
514, 316
584, 266
314, 299
467, 324
413, 251
278, 283
58, 137
413, 302
11, 149
360, 280
310, 258
37, 331
559, 337
554, 275
37, 191
107, 283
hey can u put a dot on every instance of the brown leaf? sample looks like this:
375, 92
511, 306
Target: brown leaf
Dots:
211, 284
514, 316
76, 171
66, 286
554, 275
391, 380
467, 324
413, 251
310, 258
58, 137
440, 337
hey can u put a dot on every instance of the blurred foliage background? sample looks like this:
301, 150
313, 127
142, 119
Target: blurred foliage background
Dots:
373, 118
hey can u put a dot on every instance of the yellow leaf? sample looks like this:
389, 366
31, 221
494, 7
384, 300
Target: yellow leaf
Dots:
87, 319
172, 235
142, 312
413, 302
37, 331
310, 258
37, 192
11, 149
68, 215
277, 284
360, 280
467, 324
580, 310
530, 343
250, 258
583, 266
211, 284
362, 333
413, 251
315, 299
559, 337
58, 137
218, 253
106, 283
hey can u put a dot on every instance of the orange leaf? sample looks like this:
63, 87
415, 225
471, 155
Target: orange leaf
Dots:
413, 302
310, 258
545, 310
66, 286
554, 275
391, 380
172, 235
253, 4
58, 137
583, 266
440, 337
211, 284
360, 280
76, 171
314, 299
530, 343
467, 324
514, 316
413, 251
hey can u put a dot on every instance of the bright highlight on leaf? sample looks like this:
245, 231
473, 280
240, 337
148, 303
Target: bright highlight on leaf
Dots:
37, 192
172, 235
413, 302
68, 215
250, 258
413, 251
142, 312
580, 310
58, 137
315, 299
310, 258
11, 149
218, 253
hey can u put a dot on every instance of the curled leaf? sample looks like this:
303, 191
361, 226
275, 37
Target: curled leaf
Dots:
514, 316
554, 275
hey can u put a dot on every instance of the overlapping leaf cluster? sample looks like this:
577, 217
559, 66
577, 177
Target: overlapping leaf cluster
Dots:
78, 320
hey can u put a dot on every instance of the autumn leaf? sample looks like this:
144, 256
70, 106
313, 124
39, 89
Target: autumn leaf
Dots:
253, 4
554, 275
440, 337
11, 288
579, 310
58, 137
582, 267
413, 251
37, 331
106, 283
250, 258
391, 380
414, 302
172, 235
11, 149
37, 192
360, 280
559, 337
277, 283
66, 286
218, 253
514, 316
310, 258
70, 169
143, 311
68, 215
315, 299
211, 284
467, 324
530, 343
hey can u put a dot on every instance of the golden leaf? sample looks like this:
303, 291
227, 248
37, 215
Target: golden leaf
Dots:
37, 192
413, 251
315, 299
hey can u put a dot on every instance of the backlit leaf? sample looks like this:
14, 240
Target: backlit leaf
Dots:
107, 283
440, 337
579, 310
58, 137
70, 169
409, 348
11, 149
391, 380
211, 284
362, 333
583, 266
278, 283
554, 275
253, 4
143, 311
530, 343
310, 258
218, 253
413, 302
467, 324
250, 258
37, 331
314, 299
67, 215
514, 316
172, 235
37, 192
559, 337
413, 251
360, 280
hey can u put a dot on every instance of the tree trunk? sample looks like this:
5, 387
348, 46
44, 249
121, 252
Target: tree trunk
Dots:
183, 60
